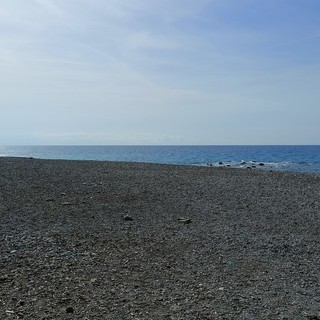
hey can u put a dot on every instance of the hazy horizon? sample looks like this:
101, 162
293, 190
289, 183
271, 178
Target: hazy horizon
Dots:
180, 72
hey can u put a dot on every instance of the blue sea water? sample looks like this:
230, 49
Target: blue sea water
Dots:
287, 158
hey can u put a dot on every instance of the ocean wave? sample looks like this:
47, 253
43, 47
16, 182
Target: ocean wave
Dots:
265, 165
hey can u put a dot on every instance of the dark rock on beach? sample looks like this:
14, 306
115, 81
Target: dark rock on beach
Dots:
205, 243
127, 218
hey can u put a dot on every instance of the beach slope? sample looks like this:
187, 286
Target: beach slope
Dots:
108, 240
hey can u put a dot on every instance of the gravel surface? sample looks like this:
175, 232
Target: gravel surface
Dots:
107, 240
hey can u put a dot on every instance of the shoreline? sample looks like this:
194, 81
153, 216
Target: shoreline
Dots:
129, 240
251, 165
292, 158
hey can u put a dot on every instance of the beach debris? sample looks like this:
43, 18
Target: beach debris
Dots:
127, 218
66, 203
185, 220
62, 194
220, 162
49, 199
261, 164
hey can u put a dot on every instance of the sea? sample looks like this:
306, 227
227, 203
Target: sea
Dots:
294, 158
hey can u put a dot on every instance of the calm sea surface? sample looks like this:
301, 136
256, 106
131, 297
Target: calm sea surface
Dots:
288, 158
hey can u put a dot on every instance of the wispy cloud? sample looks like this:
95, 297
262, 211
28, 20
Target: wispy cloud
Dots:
132, 68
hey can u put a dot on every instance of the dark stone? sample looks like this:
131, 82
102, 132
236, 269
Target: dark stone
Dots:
220, 162
4, 278
69, 310
127, 218
261, 164
185, 220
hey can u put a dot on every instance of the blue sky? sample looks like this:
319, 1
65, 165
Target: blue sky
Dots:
159, 72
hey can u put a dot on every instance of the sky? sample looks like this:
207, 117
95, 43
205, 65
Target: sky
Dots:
166, 72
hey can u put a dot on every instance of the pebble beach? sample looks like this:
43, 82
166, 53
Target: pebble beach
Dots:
117, 240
